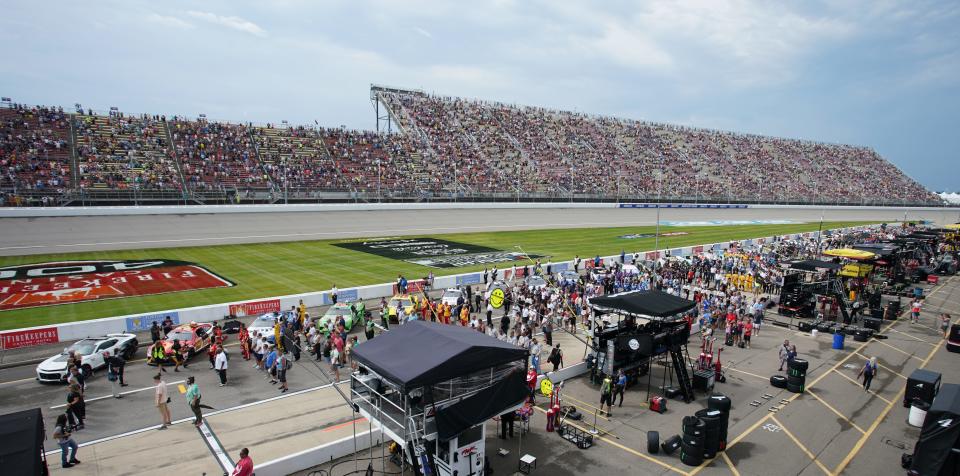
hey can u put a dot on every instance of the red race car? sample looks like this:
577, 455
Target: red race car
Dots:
193, 337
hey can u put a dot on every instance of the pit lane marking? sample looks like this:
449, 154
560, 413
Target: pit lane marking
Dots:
128, 392
801, 446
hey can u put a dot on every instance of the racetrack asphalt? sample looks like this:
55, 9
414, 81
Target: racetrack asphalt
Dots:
24, 236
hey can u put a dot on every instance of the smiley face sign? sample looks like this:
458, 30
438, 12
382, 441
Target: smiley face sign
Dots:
496, 298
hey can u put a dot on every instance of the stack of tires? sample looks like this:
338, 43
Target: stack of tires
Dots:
797, 375
711, 434
692, 441
722, 404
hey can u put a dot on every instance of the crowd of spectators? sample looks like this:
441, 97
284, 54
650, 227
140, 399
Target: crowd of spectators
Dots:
547, 151
121, 151
449, 146
34, 149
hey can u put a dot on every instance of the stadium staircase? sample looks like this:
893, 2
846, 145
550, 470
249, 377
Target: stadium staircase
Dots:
176, 160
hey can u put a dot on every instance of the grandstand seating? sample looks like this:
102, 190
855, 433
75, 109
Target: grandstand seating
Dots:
124, 152
448, 147
34, 149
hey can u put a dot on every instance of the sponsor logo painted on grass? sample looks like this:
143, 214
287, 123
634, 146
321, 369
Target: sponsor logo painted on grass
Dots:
637, 236
729, 222
435, 253
67, 282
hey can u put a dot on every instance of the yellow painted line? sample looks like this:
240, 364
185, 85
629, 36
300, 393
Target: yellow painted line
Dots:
736, 440
761, 377
834, 410
182, 388
913, 337
800, 445
629, 450
898, 350
733, 469
863, 439
860, 384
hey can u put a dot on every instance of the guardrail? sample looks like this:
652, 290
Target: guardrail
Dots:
40, 335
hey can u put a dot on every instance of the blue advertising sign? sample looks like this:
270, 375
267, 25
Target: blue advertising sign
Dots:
143, 322
468, 279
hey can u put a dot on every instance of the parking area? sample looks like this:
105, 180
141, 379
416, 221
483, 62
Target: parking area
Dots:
835, 427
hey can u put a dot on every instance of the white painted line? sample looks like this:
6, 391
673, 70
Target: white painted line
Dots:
128, 392
215, 412
215, 447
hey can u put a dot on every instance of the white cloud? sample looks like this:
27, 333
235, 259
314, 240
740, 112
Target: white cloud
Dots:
232, 22
169, 21
423, 32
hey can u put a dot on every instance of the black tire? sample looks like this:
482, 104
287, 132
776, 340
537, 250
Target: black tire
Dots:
653, 442
796, 373
711, 418
691, 458
670, 445
796, 381
778, 381
696, 431
690, 441
799, 364
796, 388
719, 402
860, 337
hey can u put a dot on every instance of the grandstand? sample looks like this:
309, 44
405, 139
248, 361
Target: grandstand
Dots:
444, 148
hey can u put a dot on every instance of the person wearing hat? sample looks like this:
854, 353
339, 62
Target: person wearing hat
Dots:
193, 400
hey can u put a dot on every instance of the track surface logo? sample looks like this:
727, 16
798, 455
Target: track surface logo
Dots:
67, 282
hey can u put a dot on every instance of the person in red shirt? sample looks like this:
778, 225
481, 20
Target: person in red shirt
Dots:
532, 383
747, 332
244, 466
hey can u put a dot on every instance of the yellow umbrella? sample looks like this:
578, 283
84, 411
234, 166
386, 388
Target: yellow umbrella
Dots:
850, 253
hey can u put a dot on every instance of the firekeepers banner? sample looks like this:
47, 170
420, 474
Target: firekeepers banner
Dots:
66, 282
255, 308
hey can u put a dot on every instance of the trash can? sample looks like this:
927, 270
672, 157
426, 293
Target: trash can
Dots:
917, 292
918, 412
838, 340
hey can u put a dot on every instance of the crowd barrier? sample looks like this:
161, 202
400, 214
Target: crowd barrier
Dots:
67, 332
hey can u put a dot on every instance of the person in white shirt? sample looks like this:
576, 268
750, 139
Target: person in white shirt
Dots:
160, 400
220, 364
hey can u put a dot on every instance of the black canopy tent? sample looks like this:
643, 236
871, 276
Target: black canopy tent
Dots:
652, 303
21, 443
421, 353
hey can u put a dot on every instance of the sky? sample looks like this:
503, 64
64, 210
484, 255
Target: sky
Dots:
878, 73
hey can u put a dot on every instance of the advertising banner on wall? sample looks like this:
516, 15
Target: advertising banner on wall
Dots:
255, 308
27, 338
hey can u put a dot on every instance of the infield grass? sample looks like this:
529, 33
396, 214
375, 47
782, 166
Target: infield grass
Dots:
274, 269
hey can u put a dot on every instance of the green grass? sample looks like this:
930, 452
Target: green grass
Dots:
273, 269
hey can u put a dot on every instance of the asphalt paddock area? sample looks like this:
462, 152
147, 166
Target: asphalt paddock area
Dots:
835, 427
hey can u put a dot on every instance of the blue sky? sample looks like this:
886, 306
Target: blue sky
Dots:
880, 73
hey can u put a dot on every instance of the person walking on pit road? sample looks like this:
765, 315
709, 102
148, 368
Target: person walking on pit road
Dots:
556, 358
606, 394
784, 353
244, 465
161, 399
220, 362
193, 400
114, 364
62, 434
868, 371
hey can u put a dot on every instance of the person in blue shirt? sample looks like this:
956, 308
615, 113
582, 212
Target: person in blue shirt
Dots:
269, 361
619, 387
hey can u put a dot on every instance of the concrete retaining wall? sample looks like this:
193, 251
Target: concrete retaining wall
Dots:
33, 212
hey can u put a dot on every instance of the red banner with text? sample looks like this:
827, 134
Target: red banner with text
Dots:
255, 308
28, 338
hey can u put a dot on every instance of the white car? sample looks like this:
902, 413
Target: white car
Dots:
91, 352
451, 296
264, 325
536, 282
